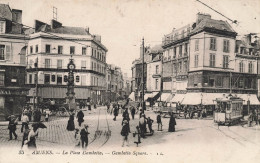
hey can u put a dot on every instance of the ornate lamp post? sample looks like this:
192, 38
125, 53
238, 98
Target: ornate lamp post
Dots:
70, 89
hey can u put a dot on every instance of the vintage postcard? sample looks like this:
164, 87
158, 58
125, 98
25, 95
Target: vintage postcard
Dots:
129, 81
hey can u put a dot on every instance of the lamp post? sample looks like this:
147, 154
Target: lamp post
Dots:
143, 103
248, 103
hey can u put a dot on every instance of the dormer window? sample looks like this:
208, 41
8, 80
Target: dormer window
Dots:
2, 27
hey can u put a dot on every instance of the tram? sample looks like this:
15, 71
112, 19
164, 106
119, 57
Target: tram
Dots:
228, 110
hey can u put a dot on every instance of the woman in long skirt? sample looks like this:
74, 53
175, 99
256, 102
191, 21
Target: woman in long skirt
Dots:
172, 124
71, 125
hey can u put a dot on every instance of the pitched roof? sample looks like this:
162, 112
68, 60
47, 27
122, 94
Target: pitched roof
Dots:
213, 24
5, 11
70, 30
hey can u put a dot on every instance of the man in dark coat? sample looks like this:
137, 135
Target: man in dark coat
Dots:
115, 113
150, 123
84, 136
159, 121
80, 117
172, 124
12, 127
133, 112
142, 125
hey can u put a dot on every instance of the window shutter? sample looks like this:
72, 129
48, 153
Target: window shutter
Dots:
8, 52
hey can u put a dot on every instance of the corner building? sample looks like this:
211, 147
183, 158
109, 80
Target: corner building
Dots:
49, 49
12, 62
215, 64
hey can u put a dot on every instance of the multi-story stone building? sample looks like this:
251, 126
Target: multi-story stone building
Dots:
114, 83
49, 50
213, 63
154, 73
176, 61
13, 43
138, 72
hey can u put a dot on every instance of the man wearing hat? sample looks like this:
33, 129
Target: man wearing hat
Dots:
84, 136
125, 132
12, 126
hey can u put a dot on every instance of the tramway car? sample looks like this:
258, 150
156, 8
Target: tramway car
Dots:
228, 110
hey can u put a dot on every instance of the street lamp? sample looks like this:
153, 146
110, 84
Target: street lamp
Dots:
248, 103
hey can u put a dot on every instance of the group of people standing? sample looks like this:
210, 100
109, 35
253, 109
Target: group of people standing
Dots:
141, 129
81, 133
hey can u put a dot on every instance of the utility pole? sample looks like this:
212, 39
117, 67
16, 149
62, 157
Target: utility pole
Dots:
35, 97
143, 103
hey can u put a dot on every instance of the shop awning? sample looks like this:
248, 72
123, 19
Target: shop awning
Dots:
178, 98
192, 99
132, 96
165, 97
251, 97
150, 95
201, 98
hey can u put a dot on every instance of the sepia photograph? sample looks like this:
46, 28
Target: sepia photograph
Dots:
130, 81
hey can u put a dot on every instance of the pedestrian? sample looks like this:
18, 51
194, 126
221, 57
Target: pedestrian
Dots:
124, 133
108, 105
25, 136
142, 125
80, 117
89, 105
25, 121
32, 137
71, 125
46, 117
159, 121
133, 112
13, 121
77, 137
115, 113
137, 135
126, 118
150, 123
84, 136
125, 113
172, 124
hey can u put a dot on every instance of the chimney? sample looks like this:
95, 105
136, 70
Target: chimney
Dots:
17, 15
201, 16
87, 29
38, 24
55, 24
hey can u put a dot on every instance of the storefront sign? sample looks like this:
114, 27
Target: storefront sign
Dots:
181, 77
13, 92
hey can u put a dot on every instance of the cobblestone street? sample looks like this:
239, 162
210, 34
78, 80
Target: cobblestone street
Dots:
56, 135
192, 138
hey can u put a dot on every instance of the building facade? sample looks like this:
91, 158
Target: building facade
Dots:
209, 63
50, 48
154, 70
13, 43
176, 60
114, 83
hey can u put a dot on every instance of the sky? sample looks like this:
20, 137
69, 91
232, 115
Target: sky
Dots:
123, 23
